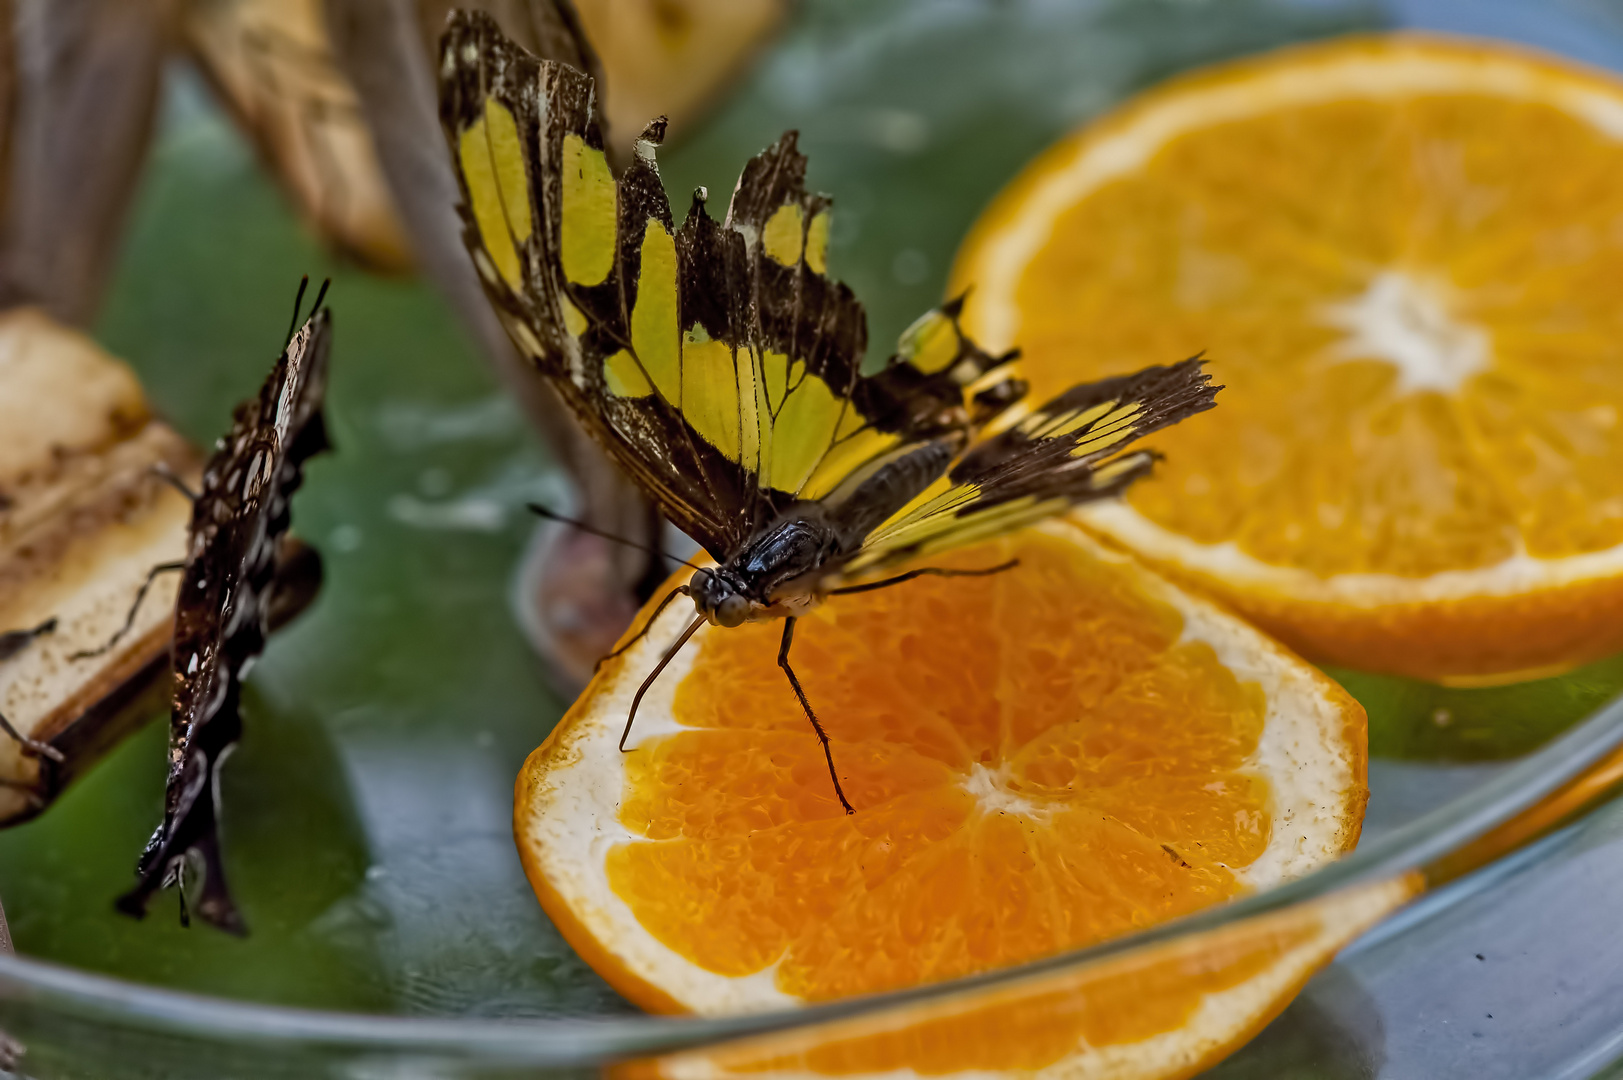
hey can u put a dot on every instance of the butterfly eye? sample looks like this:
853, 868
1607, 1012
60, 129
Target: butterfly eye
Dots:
733, 611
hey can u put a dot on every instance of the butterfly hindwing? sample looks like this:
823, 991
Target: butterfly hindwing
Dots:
716, 360
1066, 452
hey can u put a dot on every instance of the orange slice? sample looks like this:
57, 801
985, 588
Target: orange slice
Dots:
1056, 755
1163, 1011
1403, 256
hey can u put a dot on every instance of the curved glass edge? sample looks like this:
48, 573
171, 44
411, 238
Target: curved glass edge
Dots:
1573, 772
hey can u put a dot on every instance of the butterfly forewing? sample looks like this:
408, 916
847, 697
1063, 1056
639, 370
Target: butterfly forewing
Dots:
717, 361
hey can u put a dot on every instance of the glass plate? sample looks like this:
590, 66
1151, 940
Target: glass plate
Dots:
367, 813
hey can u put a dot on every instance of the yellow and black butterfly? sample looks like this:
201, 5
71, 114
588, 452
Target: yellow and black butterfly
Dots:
720, 365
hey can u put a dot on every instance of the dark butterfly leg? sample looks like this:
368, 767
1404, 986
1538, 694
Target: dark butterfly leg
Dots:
32, 746
933, 571
698, 621
11, 643
680, 590
129, 620
822, 736
167, 475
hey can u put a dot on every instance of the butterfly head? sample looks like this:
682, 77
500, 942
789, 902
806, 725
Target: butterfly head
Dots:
718, 599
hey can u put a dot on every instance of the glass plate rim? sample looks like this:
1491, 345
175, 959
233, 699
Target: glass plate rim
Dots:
577, 1041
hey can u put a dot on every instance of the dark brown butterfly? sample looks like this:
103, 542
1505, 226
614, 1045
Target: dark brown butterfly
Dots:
720, 365
224, 608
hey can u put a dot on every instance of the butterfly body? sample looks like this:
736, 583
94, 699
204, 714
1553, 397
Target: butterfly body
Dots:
773, 578
720, 365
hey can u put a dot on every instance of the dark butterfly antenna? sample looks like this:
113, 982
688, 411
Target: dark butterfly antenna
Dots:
179, 877
167, 475
298, 302
321, 295
135, 609
11, 643
542, 511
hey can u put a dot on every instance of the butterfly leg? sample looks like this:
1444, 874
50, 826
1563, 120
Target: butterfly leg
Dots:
129, 620
676, 647
680, 590
933, 571
167, 475
32, 746
822, 736
11, 643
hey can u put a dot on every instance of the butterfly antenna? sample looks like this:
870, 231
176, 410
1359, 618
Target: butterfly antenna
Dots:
542, 511
321, 295
167, 475
298, 302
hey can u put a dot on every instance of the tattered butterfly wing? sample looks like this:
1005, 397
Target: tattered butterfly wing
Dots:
550, 29
380, 44
223, 610
542, 214
668, 58
273, 66
1068, 451
718, 362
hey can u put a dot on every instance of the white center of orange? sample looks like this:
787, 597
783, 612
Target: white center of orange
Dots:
1409, 324
993, 794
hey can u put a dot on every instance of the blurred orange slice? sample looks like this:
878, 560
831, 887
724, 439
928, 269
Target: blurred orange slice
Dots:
1404, 256
1056, 755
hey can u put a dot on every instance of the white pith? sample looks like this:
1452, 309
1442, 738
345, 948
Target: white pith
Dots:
1408, 323
994, 796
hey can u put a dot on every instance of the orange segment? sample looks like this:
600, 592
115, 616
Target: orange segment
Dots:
1042, 759
1166, 1011
1402, 256
1004, 817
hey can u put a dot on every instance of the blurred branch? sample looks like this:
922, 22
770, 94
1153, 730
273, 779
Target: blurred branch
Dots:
271, 66
379, 44
80, 87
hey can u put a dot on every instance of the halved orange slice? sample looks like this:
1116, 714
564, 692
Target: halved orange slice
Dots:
1154, 1013
1041, 759
1403, 255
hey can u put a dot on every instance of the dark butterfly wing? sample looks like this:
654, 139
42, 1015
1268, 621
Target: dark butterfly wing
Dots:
717, 362
1069, 451
223, 609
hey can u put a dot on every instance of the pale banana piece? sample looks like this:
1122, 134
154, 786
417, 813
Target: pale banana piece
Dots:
83, 519
273, 67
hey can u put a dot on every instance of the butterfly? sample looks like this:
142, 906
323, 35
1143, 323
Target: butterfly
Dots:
233, 582
720, 365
